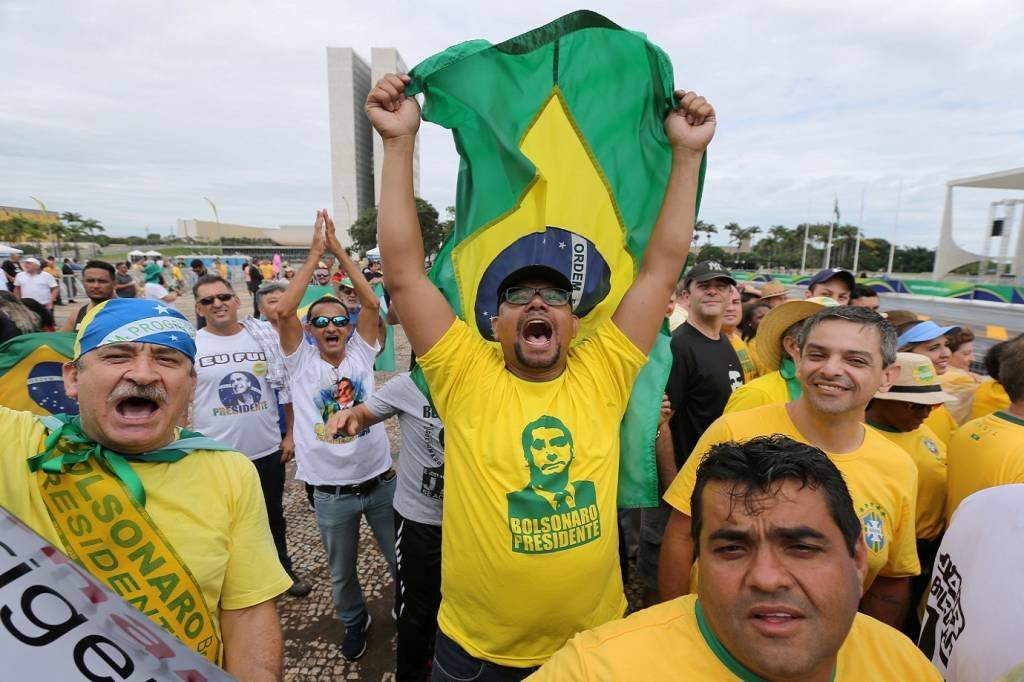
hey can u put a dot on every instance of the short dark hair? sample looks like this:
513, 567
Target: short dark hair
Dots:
1011, 369
99, 265
760, 465
862, 291
862, 316
210, 279
196, 263
992, 358
321, 301
959, 338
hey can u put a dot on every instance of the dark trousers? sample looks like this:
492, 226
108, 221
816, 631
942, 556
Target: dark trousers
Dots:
271, 472
418, 559
452, 663
252, 291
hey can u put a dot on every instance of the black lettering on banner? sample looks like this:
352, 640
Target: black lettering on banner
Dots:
96, 644
51, 631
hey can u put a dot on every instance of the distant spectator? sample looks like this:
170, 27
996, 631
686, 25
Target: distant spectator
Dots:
835, 283
33, 284
124, 283
68, 275
865, 297
991, 396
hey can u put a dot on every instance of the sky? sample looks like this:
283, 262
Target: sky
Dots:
132, 112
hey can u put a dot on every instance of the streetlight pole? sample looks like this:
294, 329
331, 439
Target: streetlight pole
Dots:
49, 229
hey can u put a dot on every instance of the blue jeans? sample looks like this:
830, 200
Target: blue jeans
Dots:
337, 517
452, 663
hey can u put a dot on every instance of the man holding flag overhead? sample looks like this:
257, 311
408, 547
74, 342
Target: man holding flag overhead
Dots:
170, 520
532, 423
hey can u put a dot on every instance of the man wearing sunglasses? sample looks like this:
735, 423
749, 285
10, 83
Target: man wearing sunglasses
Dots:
518, 580
236, 401
351, 473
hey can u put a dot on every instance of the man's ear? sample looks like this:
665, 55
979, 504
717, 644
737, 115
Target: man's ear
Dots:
789, 345
575, 325
69, 370
889, 376
860, 560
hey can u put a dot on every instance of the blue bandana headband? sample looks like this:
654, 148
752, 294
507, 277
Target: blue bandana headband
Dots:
138, 320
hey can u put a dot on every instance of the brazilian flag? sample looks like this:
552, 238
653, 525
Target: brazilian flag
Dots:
30, 373
564, 163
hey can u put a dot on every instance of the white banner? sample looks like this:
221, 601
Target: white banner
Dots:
57, 622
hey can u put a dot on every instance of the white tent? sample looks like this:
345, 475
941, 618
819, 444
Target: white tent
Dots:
374, 253
136, 252
8, 250
151, 254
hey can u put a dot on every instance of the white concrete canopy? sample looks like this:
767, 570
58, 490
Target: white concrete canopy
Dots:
948, 255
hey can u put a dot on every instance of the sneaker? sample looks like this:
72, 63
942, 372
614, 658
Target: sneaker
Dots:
299, 588
354, 644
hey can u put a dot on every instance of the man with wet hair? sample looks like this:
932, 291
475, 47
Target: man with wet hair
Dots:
846, 355
782, 561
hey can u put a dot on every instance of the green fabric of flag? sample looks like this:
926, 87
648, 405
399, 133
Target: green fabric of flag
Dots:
564, 162
30, 373
386, 359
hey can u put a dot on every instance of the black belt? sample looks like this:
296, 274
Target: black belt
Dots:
357, 488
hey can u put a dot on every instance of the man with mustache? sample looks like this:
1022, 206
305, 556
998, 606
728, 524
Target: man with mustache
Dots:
180, 515
846, 355
497, 620
782, 562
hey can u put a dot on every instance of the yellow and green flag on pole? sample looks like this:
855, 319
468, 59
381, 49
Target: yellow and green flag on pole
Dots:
30, 373
564, 163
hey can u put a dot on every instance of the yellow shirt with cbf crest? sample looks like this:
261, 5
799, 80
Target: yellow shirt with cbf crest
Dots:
208, 505
673, 641
530, 537
881, 477
984, 453
929, 454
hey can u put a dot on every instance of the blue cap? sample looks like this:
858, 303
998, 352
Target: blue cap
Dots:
833, 273
923, 331
139, 320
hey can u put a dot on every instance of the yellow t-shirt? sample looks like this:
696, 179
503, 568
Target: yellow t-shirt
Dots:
525, 568
961, 385
929, 454
176, 273
208, 505
673, 641
762, 369
990, 397
769, 389
746, 362
984, 453
267, 270
222, 270
942, 424
881, 477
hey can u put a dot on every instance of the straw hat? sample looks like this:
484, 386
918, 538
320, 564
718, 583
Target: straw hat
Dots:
772, 289
917, 382
781, 318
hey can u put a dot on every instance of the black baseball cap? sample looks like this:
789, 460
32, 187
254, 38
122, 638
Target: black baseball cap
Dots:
707, 270
833, 273
535, 272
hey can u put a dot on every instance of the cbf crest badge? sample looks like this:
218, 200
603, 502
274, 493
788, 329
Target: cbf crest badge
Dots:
872, 519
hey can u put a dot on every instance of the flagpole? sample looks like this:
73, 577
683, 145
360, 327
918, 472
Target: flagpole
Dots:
807, 227
831, 230
860, 224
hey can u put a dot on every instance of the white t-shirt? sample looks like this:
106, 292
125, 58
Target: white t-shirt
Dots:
972, 622
37, 286
319, 390
234, 404
155, 291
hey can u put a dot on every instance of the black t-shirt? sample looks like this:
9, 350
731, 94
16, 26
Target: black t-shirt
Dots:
704, 374
11, 270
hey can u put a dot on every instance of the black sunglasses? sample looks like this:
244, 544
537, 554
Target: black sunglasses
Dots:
223, 298
321, 321
523, 295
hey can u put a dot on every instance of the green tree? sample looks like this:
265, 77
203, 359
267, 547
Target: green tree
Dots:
364, 230
712, 253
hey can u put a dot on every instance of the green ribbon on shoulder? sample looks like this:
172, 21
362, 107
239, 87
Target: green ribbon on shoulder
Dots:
67, 445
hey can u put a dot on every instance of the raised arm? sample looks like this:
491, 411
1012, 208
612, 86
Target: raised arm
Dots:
689, 129
426, 315
369, 318
289, 328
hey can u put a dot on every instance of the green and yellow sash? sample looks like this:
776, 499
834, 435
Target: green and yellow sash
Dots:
97, 504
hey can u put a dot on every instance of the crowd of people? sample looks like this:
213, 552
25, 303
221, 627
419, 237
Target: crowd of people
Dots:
813, 455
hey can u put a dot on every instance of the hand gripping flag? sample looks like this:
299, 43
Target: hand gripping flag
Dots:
564, 162
30, 373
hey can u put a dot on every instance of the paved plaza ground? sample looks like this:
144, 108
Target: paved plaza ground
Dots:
312, 634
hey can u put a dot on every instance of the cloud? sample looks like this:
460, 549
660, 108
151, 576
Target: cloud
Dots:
131, 113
